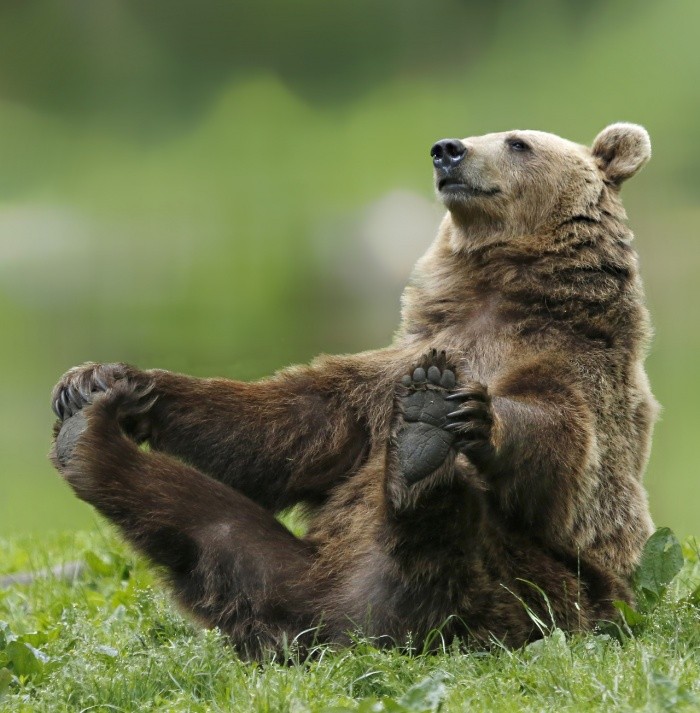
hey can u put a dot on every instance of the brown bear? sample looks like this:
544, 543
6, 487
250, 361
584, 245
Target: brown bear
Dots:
480, 477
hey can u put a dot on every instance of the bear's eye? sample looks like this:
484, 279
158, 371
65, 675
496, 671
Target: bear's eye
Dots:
518, 145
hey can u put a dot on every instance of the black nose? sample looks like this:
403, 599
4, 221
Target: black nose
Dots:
447, 153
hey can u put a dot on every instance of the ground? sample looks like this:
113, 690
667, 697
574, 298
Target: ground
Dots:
113, 641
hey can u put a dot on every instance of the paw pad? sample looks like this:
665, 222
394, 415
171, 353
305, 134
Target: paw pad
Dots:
432, 371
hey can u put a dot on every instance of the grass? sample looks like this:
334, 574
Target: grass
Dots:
113, 641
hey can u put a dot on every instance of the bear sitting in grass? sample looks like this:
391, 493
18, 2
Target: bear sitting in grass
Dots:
487, 463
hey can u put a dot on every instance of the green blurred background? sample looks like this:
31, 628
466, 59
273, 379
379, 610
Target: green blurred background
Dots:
226, 188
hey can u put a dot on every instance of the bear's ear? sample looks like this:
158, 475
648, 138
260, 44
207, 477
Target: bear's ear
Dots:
621, 150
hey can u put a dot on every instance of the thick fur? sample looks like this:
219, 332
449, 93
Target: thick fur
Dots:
532, 290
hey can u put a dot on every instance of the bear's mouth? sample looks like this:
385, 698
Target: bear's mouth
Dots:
454, 185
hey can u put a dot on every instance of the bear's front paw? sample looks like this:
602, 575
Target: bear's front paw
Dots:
471, 421
100, 427
79, 387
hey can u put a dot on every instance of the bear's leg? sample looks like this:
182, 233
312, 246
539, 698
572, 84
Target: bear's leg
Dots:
434, 497
430, 568
282, 440
231, 563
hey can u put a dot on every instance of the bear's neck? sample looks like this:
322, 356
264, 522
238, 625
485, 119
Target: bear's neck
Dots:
447, 287
544, 278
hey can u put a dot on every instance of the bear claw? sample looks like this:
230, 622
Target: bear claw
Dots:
130, 392
78, 386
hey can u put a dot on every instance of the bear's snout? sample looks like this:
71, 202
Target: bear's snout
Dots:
447, 153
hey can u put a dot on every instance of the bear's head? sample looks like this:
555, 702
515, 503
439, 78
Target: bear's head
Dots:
519, 183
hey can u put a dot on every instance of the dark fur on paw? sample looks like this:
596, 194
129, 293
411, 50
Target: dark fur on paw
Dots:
127, 402
423, 441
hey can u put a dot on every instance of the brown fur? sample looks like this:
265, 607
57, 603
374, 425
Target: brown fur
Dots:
531, 287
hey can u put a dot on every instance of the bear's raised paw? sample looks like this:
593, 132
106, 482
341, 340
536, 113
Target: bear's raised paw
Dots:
423, 440
438, 416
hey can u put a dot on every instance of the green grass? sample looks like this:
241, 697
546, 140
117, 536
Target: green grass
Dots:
113, 641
